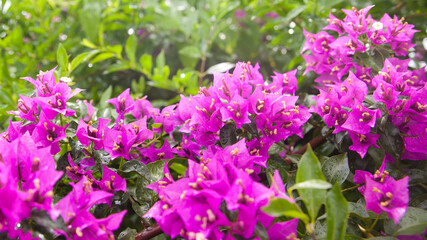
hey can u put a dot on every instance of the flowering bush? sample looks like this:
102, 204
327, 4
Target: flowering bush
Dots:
225, 163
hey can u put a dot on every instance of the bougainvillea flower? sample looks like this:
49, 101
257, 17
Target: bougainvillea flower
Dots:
284, 230
44, 83
387, 94
139, 130
111, 181
153, 154
48, 134
390, 196
87, 134
123, 103
361, 119
73, 171
361, 142
144, 108
118, 143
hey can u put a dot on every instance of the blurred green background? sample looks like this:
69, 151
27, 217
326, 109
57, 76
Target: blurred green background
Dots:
165, 48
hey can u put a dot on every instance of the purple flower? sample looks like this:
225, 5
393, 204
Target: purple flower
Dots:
361, 119
144, 108
118, 143
361, 142
387, 94
87, 134
111, 181
73, 171
48, 134
284, 230
123, 103
390, 196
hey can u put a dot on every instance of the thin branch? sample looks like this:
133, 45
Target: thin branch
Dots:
149, 233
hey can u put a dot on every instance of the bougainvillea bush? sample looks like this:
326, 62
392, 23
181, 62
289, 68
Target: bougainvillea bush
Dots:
245, 158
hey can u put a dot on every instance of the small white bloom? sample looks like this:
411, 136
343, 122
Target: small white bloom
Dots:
378, 26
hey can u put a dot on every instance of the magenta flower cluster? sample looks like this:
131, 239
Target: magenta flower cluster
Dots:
345, 84
218, 194
28, 170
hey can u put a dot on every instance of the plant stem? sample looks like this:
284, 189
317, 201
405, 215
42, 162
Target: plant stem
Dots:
350, 188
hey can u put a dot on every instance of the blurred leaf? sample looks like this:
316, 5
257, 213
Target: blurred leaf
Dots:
106, 95
89, 44
338, 212
131, 48
101, 57
279, 207
77, 60
146, 63
309, 169
90, 17
336, 168
62, 57
220, 67
160, 60
179, 168
293, 13
116, 67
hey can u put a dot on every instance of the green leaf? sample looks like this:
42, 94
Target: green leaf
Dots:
228, 135
309, 169
311, 184
179, 168
88, 43
77, 60
105, 96
146, 63
160, 60
338, 213
336, 168
101, 57
116, 67
280, 207
413, 222
62, 57
127, 234
131, 48
156, 170
391, 140
293, 13
136, 166
156, 125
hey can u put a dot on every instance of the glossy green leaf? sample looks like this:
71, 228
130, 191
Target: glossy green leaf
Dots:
336, 168
413, 222
280, 207
136, 166
311, 184
156, 170
338, 212
309, 169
